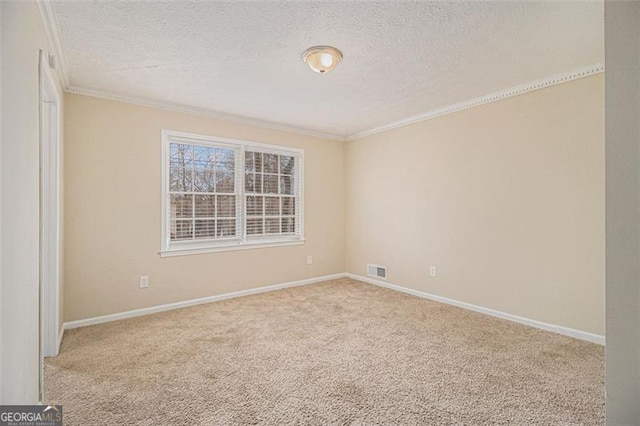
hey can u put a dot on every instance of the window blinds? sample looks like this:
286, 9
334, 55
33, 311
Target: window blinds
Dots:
222, 193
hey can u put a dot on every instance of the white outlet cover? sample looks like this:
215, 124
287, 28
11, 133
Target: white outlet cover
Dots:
433, 271
144, 281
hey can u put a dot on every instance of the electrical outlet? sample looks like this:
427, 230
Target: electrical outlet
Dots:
144, 281
309, 260
432, 271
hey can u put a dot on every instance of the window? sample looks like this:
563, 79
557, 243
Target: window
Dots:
223, 194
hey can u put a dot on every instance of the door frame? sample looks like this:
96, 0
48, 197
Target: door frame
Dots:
50, 212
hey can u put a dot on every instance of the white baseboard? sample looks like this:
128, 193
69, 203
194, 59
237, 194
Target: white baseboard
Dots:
193, 302
582, 335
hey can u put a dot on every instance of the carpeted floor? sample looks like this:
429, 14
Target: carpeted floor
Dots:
338, 352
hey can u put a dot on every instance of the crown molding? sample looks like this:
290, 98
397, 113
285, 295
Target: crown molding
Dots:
482, 100
171, 106
492, 97
53, 34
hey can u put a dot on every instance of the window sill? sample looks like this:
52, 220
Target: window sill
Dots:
186, 251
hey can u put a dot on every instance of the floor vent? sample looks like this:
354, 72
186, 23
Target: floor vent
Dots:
377, 271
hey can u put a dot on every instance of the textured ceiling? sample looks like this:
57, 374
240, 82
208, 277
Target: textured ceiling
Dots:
400, 58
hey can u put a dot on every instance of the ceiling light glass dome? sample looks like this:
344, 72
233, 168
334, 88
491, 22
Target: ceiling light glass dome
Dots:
322, 59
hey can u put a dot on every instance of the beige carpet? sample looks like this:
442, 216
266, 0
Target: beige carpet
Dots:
338, 352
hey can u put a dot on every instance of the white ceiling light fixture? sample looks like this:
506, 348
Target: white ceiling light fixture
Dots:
322, 59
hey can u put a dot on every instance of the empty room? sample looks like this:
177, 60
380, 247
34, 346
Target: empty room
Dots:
312, 212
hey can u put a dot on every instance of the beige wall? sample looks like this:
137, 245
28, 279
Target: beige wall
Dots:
113, 201
622, 26
506, 200
23, 36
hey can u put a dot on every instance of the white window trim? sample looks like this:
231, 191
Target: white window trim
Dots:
242, 242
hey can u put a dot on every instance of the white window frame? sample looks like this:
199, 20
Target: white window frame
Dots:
242, 241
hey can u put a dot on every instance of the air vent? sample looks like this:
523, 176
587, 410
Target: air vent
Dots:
377, 271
